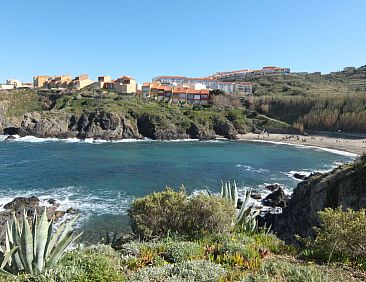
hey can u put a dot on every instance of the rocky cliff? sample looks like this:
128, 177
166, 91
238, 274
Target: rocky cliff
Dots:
343, 187
100, 124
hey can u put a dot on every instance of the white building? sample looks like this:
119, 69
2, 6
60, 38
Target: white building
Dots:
241, 88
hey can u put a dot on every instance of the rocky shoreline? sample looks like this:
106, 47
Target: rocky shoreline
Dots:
31, 205
344, 186
111, 126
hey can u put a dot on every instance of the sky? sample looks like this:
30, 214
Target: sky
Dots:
196, 38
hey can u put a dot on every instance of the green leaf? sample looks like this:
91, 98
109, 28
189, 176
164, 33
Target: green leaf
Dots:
7, 257
26, 245
41, 241
60, 248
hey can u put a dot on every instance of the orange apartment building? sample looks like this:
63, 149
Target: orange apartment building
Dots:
178, 94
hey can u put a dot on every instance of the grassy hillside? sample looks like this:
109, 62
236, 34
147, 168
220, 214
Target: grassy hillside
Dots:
19, 103
313, 101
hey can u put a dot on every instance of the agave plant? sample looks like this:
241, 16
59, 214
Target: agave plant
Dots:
230, 191
31, 250
246, 218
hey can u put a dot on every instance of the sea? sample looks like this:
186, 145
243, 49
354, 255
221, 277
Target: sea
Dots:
100, 179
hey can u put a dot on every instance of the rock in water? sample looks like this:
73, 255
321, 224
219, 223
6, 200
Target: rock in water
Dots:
255, 195
22, 202
343, 187
277, 198
299, 176
273, 187
10, 138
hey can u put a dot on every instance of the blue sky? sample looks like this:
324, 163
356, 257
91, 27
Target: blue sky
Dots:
146, 38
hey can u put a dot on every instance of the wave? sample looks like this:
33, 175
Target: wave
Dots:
80, 198
32, 139
251, 169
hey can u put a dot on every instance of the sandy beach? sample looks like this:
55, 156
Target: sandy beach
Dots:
355, 146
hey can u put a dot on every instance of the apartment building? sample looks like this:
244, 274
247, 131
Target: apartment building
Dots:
176, 94
124, 84
61, 81
81, 81
245, 74
41, 81
102, 80
238, 88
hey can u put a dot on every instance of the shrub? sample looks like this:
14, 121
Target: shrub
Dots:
274, 271
199, 270
158, 213
98, 263
209, 214
340, 237
179, 251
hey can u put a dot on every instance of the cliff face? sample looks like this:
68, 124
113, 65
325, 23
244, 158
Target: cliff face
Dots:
99, 124
343, 187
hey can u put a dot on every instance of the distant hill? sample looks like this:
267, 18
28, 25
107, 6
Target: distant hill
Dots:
304, 84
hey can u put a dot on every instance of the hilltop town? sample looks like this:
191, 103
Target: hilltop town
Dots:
224, 104
177, 89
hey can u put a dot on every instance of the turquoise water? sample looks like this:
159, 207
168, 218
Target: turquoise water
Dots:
102, 179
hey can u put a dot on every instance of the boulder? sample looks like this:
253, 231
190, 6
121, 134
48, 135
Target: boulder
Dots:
277, 198
9, 138
30, 205
299, 176
273, 187
343, 187
22, 202
224, 128
255, 195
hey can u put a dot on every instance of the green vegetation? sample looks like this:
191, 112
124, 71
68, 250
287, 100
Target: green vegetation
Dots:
331, 112
231, 254
232, 118
314, 101
31, 250
340, 238
158, 214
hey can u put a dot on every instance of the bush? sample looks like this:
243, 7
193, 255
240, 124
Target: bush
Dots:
99, 263
208, 214
274, 271
343, 231
179, 251
199, 270
157, 214
340, 237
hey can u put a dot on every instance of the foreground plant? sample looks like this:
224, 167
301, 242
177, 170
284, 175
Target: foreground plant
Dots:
32, 250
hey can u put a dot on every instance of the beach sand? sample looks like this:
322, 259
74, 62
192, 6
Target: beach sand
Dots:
355, 146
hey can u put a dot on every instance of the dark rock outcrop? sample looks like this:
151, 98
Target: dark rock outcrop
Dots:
299, 176
30, 205
343, 187
11, 130
277, 198
158, 128
100, 124
97, 125
255, 195
273, 187
200, 132
224, 128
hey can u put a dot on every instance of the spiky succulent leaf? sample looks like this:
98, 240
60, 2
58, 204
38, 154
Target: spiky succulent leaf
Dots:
41, 240
60, 248
234, 193
26, 245
7, 257
61, 233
